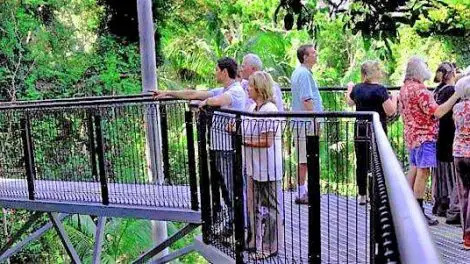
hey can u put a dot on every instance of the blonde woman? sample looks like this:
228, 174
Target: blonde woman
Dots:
369, 95
263, 163
461, 152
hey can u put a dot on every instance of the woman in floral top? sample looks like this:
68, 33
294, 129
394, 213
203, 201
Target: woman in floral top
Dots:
461, 152
419, 111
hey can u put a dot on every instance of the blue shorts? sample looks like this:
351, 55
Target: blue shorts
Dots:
424, 156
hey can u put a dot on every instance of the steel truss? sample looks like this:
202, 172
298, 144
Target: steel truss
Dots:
13, 245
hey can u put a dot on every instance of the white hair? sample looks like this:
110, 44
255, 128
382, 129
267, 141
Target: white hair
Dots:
466, 72
417, 69
462, 87
253, 60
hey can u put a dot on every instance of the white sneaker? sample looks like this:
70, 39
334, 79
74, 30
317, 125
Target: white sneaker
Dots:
362, 199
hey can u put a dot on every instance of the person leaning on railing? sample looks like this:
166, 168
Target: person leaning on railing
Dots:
369, 95
262, 148
446, 202
231, 96
419, 111
461, 153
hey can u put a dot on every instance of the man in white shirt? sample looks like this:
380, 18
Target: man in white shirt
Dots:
251, 64
231, 96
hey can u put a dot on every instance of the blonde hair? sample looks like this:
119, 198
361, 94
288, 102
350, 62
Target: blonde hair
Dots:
462, 87
371, 71
262, 82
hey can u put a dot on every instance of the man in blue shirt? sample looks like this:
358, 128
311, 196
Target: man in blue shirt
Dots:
305, 98
231, 96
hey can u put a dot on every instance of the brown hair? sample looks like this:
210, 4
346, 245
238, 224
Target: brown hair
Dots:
302, 51
444, 72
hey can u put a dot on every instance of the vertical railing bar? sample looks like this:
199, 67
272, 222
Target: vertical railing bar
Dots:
101, 160
238, 192
188, 116
204, 177
164, 134
94, 169
28, 151
314, 230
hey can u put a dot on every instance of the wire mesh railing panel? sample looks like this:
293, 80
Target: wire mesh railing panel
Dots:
281, 185
13, 181
61, 148
125, 138
100, 151
334, 100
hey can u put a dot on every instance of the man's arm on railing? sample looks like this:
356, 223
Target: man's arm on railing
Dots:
185, 94
217, 101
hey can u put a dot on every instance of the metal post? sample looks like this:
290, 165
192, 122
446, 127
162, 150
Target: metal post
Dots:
165, 145
238, 213
91, 137
28, 154
188, 117
204, 177
149, 84
100, 151
314, 210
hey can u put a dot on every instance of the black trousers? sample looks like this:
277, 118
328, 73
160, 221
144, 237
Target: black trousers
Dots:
362, 141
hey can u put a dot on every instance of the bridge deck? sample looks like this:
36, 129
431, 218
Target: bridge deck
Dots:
126, 194
147, 201
344, 223
345, 234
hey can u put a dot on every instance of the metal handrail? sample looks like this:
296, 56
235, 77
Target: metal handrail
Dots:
415, 244
414, 240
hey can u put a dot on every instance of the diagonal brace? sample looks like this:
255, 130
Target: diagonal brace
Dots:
32, 237
59, 227
99, 240
168, 242
33, 218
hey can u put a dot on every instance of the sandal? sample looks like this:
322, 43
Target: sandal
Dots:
260, 255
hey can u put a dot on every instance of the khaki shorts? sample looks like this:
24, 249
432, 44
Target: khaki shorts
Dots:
300, 141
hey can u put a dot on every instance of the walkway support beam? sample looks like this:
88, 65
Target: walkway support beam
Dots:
149, 84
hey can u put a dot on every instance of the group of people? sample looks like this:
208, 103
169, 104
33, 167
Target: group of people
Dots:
427, 118
436, 130
252, 89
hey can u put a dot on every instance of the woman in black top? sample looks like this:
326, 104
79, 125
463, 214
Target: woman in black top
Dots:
444, 192
369, 95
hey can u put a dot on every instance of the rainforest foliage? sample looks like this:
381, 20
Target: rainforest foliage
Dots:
67, 48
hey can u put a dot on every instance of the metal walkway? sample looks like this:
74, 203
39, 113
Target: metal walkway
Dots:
345, 233
448, 240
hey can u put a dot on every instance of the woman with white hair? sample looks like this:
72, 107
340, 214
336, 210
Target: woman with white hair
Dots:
419, 111
461, 152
